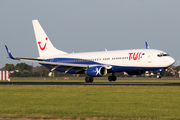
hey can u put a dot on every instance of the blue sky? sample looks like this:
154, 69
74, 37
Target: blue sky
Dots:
90, 25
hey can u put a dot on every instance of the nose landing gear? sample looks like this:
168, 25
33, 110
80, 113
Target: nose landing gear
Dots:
158, 76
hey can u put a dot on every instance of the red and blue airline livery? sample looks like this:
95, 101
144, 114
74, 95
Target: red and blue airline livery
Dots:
96, 64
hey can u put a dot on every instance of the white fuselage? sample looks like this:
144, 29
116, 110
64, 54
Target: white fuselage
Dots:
138, 58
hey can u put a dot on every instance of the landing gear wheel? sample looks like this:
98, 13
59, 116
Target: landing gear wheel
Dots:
112, 78
89, 79
158, 76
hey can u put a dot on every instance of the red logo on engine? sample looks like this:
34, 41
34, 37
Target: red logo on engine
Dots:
42, 48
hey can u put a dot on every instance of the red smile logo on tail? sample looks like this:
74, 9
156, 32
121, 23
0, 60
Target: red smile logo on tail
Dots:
42, 48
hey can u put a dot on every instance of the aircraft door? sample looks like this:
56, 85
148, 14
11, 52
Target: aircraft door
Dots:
149, 58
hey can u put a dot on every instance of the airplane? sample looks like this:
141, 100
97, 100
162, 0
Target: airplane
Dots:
95, 64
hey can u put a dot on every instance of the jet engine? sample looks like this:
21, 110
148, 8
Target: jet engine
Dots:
96, 71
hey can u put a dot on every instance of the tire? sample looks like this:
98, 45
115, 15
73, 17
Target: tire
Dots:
87, 79
110, 78
158, 76
91, 79
114, 78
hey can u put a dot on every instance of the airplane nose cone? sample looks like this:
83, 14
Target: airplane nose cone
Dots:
171, 61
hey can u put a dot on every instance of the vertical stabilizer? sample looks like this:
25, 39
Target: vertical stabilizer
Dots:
45, 47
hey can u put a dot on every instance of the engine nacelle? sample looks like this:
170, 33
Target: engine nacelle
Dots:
96, 71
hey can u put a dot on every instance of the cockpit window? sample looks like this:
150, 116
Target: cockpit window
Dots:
163, 54
166, 55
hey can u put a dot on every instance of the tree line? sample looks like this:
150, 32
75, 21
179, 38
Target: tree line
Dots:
25, 70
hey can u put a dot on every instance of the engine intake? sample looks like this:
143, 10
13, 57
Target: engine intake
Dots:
96, 71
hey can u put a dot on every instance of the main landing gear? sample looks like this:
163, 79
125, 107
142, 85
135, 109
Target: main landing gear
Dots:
89, 79
112, 78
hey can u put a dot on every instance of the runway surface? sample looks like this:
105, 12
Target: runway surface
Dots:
84, 83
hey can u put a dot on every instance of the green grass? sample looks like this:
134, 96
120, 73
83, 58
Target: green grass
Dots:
73, 101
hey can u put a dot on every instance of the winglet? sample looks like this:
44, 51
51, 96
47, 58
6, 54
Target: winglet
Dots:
9, 53
147, 46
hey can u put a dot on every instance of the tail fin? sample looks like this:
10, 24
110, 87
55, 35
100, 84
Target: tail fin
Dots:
45, 47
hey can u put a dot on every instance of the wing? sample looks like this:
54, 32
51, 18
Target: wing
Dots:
42, 61
55, 65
